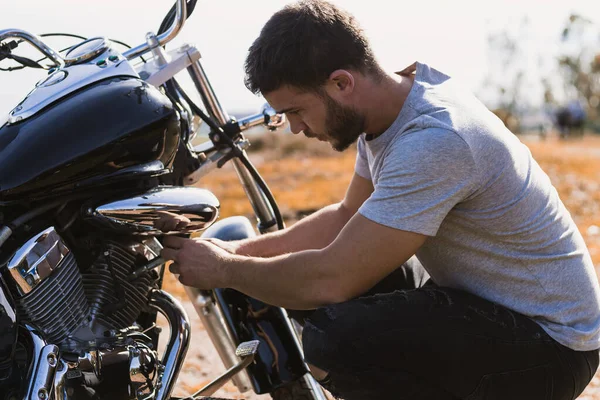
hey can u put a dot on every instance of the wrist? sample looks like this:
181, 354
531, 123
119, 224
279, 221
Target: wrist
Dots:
232, 270
242, 248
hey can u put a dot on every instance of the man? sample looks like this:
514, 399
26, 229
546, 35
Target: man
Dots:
512, 306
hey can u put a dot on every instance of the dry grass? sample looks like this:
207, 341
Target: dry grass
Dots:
307, 175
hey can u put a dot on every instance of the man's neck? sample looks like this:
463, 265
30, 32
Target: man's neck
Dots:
383, 101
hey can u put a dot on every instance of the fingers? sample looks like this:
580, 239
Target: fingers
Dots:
169, 254
174, 242
174, 268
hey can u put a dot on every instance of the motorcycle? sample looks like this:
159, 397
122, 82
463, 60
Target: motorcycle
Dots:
96, 166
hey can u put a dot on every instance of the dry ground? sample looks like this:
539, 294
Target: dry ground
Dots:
306, 175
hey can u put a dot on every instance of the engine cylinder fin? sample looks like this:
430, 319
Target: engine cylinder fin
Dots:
114, 301
44, 308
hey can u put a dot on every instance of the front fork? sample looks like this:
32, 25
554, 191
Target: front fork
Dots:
230, 317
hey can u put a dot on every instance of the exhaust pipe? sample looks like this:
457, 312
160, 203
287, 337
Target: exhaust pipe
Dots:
179, 340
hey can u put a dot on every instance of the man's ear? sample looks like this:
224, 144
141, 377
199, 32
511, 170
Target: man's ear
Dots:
341, 82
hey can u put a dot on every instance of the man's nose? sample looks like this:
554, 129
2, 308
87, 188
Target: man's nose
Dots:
297, 126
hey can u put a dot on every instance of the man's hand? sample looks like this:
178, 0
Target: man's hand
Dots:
199, 262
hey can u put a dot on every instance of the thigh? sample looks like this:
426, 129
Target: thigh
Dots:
452, 340
410, 275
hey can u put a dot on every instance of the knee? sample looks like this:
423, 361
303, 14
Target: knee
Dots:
320, 339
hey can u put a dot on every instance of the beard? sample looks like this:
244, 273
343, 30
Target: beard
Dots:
343, 125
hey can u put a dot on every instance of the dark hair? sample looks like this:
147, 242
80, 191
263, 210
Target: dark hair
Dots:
303, 43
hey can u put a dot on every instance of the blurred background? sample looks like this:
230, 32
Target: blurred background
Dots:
535, 63
526, 59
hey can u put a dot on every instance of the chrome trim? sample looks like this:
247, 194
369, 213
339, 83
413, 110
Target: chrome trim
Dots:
157, 73
214, 322
143, 372
267, 116
316, 389
70, 79
60, 381
209, 98
36, 41
166, 37
103, 45
37, 259
42, 368
163, 210
179, 339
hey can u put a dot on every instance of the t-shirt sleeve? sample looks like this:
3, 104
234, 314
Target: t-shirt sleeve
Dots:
424, 175
361, 167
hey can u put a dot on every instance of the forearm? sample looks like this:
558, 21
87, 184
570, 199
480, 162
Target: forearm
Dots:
297, 281
316, 231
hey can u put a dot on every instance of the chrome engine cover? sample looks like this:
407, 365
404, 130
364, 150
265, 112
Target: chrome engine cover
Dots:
160, 211
45, 277
74, 308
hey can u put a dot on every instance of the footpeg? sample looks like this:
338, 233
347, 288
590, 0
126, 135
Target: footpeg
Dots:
246, 351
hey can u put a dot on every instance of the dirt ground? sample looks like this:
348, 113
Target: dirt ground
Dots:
305, 176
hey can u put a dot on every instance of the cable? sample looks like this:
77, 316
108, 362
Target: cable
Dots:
264, 188
63, 34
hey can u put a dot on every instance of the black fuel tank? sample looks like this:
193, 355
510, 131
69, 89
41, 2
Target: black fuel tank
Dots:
104, 127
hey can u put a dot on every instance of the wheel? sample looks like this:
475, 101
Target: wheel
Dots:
305, 388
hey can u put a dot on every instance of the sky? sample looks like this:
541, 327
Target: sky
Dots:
450, 36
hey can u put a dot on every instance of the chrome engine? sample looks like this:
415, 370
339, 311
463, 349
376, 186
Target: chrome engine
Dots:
78, 310
84, 319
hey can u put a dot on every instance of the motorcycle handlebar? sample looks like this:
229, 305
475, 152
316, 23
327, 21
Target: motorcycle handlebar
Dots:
164, 38
36, 41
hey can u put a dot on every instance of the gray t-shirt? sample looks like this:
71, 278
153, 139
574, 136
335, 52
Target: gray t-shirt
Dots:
449, 169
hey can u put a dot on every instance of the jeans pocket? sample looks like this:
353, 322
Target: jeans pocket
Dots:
532, 383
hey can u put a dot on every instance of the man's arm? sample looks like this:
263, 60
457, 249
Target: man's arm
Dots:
361, 255
313, 232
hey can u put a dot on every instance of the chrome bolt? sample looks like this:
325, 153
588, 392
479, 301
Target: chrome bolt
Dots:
52, 359
42, 394
29, 280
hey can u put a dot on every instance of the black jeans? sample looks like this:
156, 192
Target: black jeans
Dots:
410, 339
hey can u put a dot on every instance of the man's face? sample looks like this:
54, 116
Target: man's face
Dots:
318, 116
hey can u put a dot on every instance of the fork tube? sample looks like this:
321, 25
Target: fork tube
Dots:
209, 98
